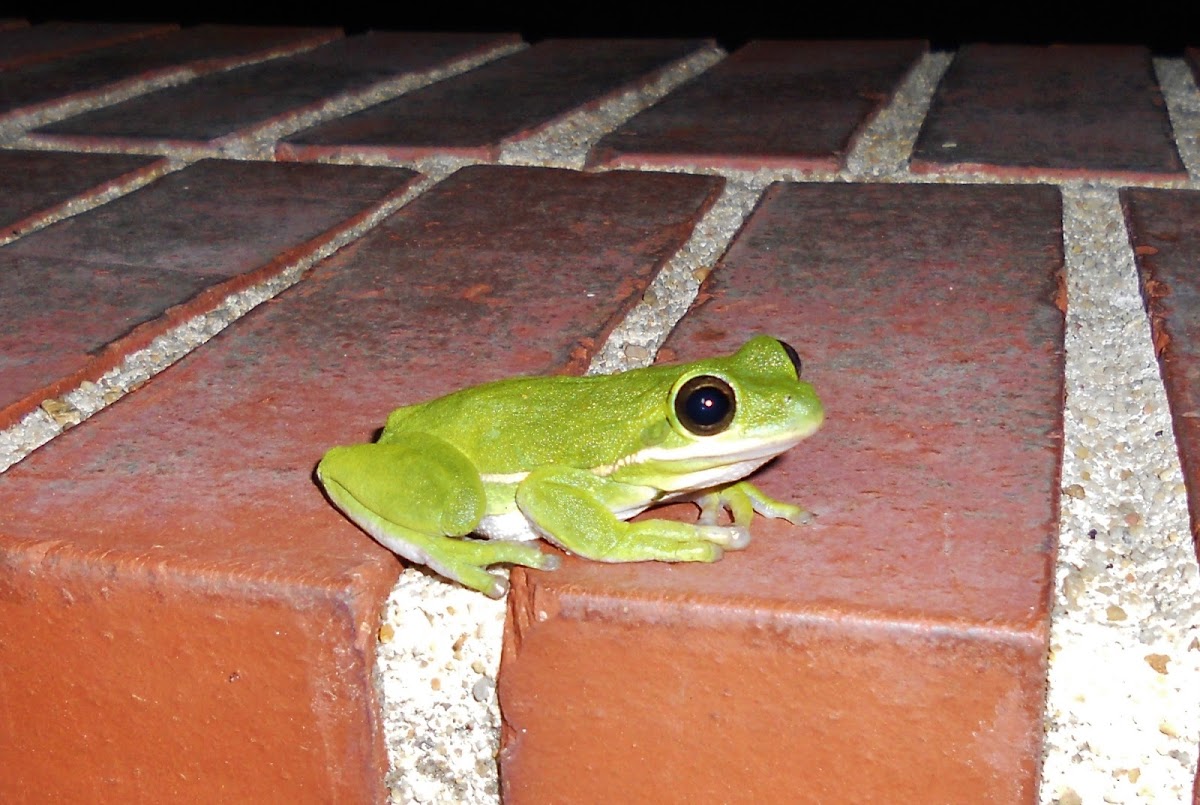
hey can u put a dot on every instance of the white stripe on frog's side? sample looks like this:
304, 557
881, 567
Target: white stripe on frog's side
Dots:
516, 527
503, 478
734, 466
716, 454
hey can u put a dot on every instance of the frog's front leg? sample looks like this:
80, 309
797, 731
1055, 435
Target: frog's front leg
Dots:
575, 510
417, 495
743, 500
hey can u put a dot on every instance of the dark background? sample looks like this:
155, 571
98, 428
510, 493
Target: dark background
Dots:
1164, 26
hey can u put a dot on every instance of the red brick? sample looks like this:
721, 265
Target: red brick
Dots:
37, 184
1164, 227
894, 650
183, 616
200, 49
475, 113
1069, 111
770, 104
228, 103
80, 295
54, 40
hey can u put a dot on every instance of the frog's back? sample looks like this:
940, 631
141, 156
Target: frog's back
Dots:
502, 402
517, 424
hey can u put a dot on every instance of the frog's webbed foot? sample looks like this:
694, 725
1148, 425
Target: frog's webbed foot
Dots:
466, 561
743, 500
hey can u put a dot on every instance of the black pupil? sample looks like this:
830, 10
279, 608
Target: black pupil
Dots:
707, 406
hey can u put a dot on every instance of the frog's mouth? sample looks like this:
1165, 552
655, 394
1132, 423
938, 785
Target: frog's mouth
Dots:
683, 475
709, 456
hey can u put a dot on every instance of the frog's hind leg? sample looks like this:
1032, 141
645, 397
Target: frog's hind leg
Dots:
462, 560
418, 496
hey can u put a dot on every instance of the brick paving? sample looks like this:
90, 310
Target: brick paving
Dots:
1072, 111
173, 55
473, 114
297, 588
124, 272
898, 644
221, 104
954, 626
35, 187
770, 103
54, 40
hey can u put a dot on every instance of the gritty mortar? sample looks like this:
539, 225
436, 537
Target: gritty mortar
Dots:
1122, 714
1183, 106
566, 142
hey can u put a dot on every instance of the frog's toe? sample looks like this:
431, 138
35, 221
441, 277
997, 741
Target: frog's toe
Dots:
493, 585
499, 587
777, 509
732, 538
739, 538
696, 551
801, 517
473, 576
490, 552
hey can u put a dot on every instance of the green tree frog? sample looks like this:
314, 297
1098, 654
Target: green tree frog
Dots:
571, 459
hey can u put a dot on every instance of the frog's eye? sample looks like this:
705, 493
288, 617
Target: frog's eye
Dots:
793, 356
705, 405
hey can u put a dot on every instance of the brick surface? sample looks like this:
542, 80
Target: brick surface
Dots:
473, 114
221, 104
894, 650
1164, 227
200, 49
1066, 110
54, 40
184, 616
81, 294
35, 184
780, 104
